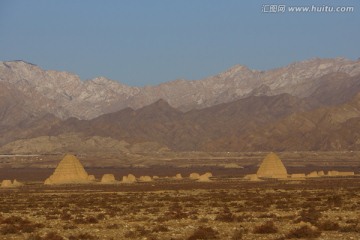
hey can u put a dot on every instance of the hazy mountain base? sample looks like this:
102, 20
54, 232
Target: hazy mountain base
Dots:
240, 161
263, 123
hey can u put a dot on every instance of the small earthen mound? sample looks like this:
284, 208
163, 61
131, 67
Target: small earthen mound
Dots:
91, 178
145, 179
312, 174
321, 173
340, 174
17, 184
108, 178
194, 176
178, 176
204, 178
346, 173
251, 177
333, 173
129, 179
298, 175
6, 184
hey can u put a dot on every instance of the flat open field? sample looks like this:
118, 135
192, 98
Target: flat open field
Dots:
187, 159
40, 174
227, 208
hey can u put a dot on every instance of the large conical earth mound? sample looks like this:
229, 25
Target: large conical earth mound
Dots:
272, 167
69, 171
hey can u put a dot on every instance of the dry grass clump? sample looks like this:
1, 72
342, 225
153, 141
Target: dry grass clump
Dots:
204, 233
34, 237
226, 216
305, 231
350, 228
83, 236
266, 228
160, 228
138, 233
113, 226
310, 215
9, 229
69, 226
48, 236
238, 234
15, 220
65, 216
18, 225
335, 201
86, 220
175, 212
328, 225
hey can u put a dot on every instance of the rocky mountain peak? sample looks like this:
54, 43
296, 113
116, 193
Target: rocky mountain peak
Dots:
159, 105
91, 98
101, 80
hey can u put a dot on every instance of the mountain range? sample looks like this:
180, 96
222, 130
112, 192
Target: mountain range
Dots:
309, 105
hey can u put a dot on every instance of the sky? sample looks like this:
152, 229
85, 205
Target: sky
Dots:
147, 42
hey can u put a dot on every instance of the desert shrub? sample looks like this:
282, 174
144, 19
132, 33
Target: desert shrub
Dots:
304, 231
83, 236
350, 228
352, 221
52, 236
112, 226
69, 226
267, 215
15, 224
238, 234
142, 231
28, 228
268, 227
335, 201
9, 229
14, 220
203, 220
310, 215
193, 216
153, 210
139, 231
91, 220
172, 215
100, 216
51, 217
226, 216
314, 199
65, 217
204, 233
328, 225
130, 234
160, 228
34, 237
87, 220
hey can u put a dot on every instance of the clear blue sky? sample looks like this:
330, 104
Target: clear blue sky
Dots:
145, 42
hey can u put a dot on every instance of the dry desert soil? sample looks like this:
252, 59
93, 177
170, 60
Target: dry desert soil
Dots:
226, 208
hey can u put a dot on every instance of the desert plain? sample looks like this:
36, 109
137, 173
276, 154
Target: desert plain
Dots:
226, 207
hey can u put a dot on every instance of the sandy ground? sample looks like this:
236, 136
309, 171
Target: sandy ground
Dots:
226, 208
